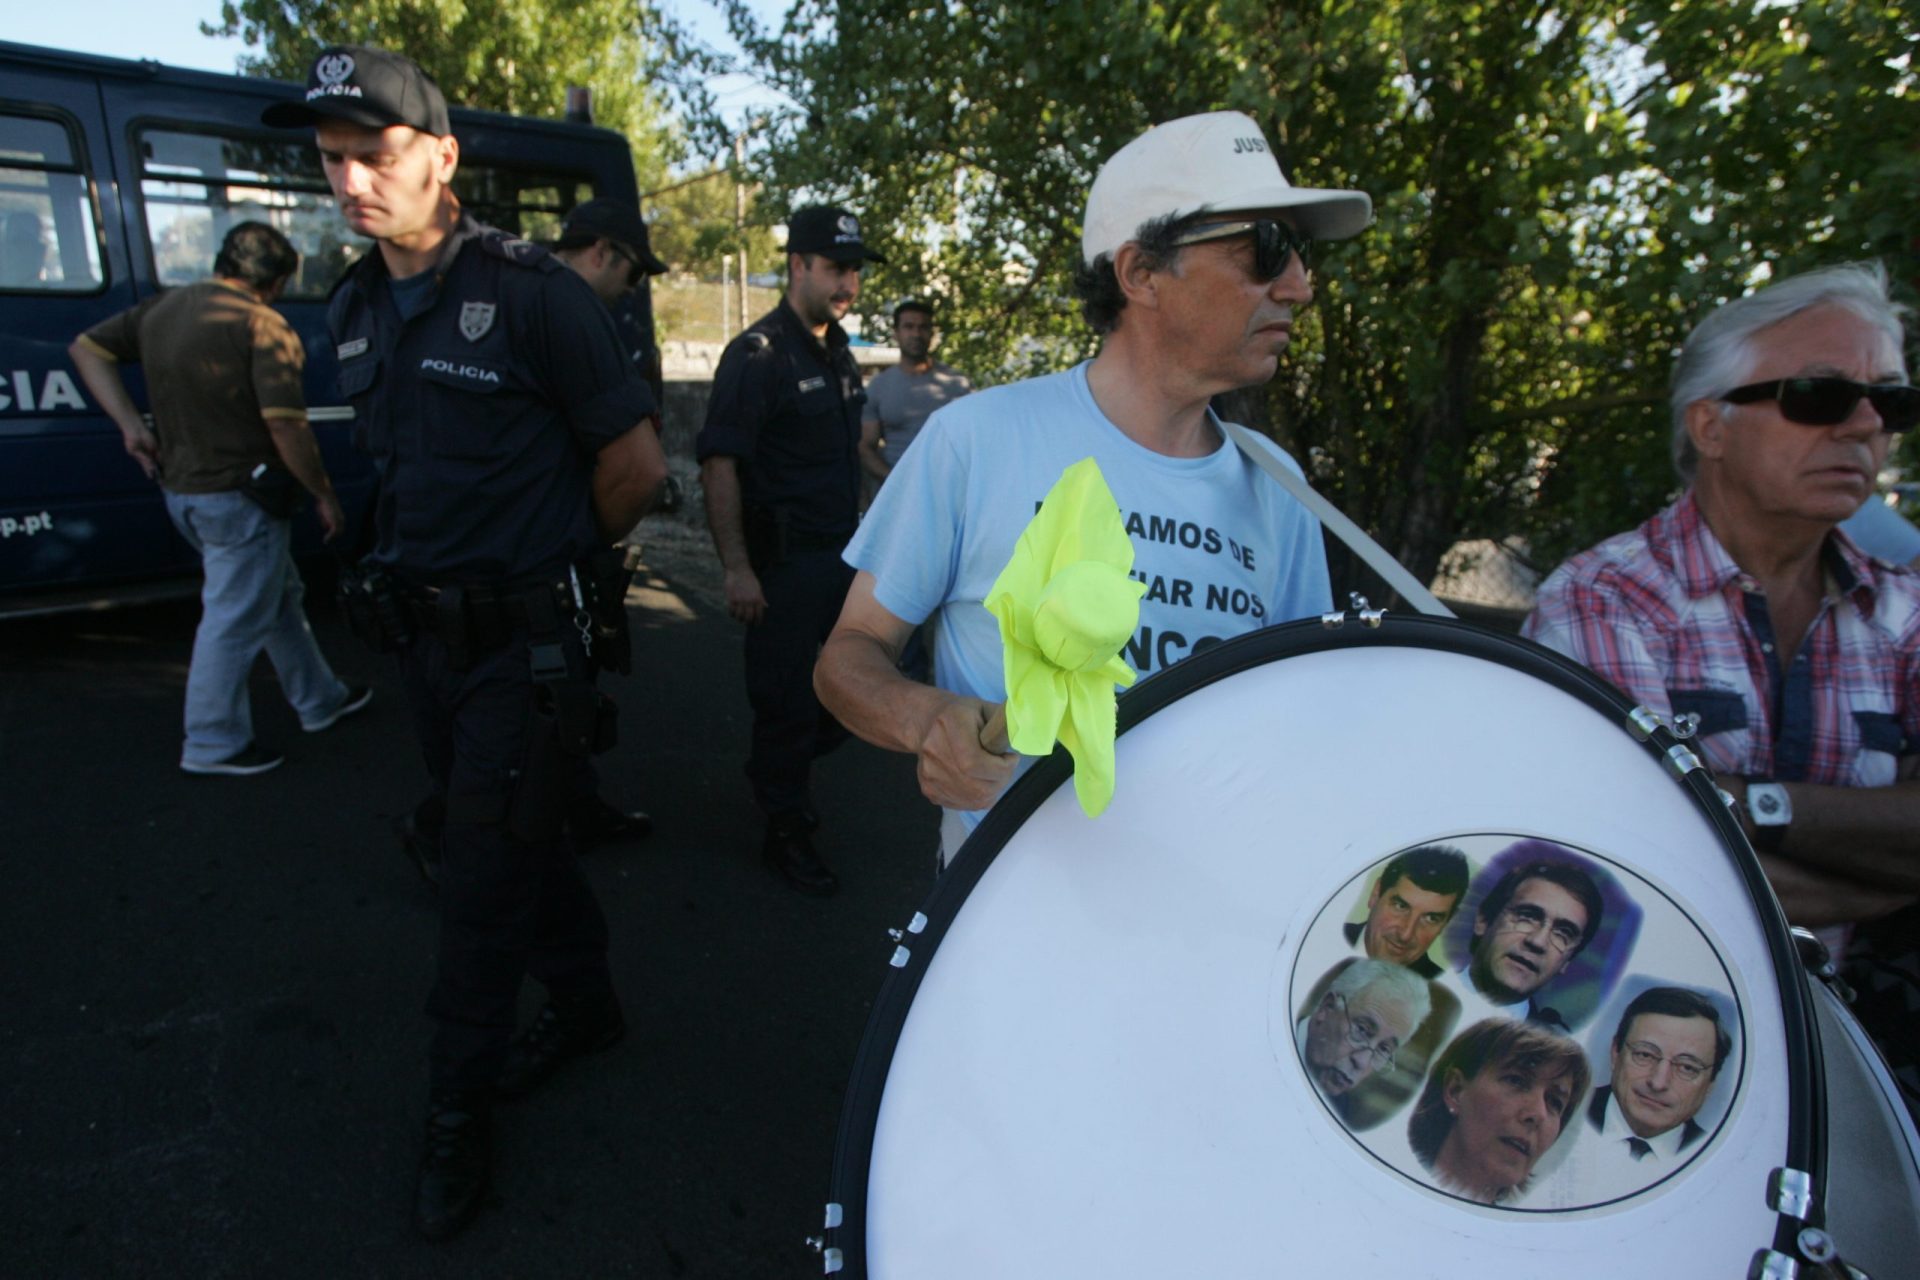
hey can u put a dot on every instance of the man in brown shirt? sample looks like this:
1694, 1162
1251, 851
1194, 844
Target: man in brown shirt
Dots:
223, 376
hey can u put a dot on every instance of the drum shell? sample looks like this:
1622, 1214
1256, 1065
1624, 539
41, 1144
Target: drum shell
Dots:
1056, 946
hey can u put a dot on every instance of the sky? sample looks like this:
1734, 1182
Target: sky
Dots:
169, 31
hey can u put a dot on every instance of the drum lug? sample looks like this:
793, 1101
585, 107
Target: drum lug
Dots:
1643, 722
1817, 1249
1357, 607
1790, 1193
916, 925
1682, 761
831, 1259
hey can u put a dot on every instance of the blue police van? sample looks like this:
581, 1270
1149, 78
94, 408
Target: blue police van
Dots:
119, 179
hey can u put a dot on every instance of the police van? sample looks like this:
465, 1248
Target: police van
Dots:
119, 179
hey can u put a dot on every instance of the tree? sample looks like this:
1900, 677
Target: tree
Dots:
692, 224
501, 55
1561, 188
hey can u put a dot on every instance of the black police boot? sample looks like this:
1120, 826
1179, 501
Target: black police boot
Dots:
594, 821
567, 1028
454, 1163
788, 849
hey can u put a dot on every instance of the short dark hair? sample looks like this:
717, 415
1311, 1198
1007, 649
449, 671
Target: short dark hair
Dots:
1677, 1002
913, 304
1098, 288
257, 255
1572, 878
1493, 1042
1437, 868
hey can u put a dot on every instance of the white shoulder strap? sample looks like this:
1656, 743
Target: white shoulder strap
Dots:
1342, 528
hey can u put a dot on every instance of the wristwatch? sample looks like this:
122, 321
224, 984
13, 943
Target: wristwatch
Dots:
1770, 810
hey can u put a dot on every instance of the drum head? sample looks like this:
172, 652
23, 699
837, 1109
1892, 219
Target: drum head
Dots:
1225, 1029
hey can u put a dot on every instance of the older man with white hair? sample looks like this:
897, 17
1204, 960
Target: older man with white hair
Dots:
1743, 605
1366, 1013
1193, 270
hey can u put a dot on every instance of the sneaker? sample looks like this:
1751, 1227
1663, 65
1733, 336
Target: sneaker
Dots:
358, 696
244, 763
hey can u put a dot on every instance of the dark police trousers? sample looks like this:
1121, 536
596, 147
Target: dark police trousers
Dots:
508, 907
804, 592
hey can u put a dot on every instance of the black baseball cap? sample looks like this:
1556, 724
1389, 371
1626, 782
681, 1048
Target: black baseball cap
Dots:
366, 86
830, 230
616, 220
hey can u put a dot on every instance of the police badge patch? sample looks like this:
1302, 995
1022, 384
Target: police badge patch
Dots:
476, 318
334, 68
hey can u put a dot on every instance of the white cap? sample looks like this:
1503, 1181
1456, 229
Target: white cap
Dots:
1218, 162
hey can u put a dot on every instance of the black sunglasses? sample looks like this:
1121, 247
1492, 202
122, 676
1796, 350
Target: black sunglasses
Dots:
1274, 243
1823, 402
634, 270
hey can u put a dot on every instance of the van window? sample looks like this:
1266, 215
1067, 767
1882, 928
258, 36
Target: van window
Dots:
528, 202
198, 186
49, 242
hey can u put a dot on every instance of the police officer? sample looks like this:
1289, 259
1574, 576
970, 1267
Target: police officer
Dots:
779, 460
605, 240
606, 244
506, 426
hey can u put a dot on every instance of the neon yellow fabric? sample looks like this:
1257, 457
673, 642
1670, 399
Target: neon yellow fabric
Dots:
1067, 607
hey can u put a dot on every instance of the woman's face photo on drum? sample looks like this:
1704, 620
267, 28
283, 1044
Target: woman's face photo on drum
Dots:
1499, 1098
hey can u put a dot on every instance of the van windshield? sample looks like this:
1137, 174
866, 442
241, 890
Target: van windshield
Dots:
197, 186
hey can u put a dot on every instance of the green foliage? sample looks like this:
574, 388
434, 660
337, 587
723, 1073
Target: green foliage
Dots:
500, 55
692, 226
1561, 189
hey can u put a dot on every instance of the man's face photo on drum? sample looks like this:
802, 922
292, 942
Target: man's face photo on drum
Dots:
1368, 1010
1529, 940
1663, 1068
1403, 920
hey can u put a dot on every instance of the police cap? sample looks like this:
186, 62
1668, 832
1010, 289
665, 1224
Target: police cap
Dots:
830, 230
616, 220
366, 86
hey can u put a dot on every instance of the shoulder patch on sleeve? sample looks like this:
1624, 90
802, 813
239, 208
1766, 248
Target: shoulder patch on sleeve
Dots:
511, 248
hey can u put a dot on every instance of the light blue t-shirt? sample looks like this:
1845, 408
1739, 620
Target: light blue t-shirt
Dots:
1222, 548
1882, 532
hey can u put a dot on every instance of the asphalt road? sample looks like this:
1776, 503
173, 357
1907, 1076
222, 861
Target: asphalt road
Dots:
212, 1061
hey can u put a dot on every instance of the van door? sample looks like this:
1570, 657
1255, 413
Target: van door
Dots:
67, 486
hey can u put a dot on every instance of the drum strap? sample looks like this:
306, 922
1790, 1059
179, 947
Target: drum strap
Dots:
1342, 528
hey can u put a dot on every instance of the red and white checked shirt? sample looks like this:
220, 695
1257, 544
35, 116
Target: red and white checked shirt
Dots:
1665, 614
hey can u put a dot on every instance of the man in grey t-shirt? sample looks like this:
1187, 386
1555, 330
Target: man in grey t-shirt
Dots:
900, 399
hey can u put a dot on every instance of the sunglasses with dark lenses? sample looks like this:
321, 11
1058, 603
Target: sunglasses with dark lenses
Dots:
634, 269
1824, 402
1274, 244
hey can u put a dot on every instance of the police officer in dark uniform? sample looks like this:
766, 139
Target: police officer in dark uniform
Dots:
780, 465
506, 426
607, 242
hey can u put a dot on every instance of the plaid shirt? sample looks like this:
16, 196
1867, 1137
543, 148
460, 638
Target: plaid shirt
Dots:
1665, 614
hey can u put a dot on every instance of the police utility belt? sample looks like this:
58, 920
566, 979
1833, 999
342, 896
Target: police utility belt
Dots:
472, 621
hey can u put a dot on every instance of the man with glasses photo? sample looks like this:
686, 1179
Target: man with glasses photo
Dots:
1742, 604
1529, 927
1367, 1011
1193, 270
1667, 1052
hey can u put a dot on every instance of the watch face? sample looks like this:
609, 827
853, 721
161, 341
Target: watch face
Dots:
1769, 805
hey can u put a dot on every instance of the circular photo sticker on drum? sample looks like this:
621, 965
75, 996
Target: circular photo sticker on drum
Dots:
1514, 1022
